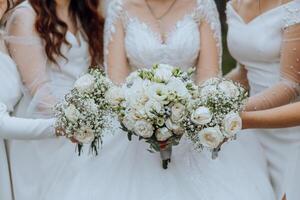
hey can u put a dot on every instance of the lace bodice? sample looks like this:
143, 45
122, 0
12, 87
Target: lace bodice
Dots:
45, 82
181, 48
267, 48
144, 46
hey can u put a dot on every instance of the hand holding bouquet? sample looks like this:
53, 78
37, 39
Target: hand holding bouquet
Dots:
81, 116
215, 114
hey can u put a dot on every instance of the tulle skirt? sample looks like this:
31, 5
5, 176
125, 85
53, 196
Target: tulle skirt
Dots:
126, 170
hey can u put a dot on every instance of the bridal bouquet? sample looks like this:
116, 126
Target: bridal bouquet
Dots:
152, 105
215, 115
82, 114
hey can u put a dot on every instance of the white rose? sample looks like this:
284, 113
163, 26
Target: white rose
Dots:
159, 92
232, 124
211, 137
85, 135
72, 113
129, 122
229, 88
163, 134
201, 116
91, 106
178, 130
179, 87
139, 111
115, 95
163, 73
85, 83
178, 112
133, 77
143, 128
136, 93
151, 107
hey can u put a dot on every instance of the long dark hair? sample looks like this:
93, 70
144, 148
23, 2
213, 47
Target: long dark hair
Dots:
53, 30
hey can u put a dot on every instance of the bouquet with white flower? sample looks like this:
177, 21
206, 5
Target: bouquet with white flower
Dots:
153, 104
215, 115
82, 114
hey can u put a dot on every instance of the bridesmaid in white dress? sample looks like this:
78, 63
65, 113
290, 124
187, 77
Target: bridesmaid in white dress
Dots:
263, 36
26, 129
126, 170
49, 59
281, 117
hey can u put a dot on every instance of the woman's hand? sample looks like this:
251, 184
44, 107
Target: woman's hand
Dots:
61, 132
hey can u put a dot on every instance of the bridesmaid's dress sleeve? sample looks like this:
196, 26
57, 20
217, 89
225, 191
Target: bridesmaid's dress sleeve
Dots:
288, 88
10, 94
14, 128
27, 50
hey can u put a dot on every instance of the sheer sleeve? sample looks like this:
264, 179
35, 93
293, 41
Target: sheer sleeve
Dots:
27, 50
26, 129
115, 60
288, 89
210, 58
10, 94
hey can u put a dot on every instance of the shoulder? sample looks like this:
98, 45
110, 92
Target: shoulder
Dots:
292, 13
207, 8
206, 3
21, 19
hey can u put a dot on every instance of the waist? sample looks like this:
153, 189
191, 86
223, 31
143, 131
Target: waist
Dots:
262, 76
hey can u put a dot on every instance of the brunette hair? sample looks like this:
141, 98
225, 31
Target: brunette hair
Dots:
53, 30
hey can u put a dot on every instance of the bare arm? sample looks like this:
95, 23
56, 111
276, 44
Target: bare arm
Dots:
239, 74
208, 63
280, 117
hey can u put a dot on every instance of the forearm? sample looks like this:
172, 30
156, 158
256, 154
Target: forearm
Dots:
281, 117
26, 129
239, 74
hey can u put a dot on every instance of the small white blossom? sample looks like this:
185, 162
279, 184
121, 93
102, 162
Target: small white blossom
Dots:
85, 83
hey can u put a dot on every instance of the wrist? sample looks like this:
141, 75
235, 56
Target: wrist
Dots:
245, 120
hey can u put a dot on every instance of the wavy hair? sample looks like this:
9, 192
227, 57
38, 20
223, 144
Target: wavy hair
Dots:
53, 30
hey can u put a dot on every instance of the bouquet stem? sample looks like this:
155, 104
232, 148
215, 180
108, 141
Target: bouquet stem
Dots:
165, 154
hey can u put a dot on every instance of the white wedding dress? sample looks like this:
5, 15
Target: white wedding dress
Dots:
41, 168
126, 170
267, 48
51, 170
12, 127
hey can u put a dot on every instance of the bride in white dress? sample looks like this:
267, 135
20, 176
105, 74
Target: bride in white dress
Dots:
267, 48
126, 170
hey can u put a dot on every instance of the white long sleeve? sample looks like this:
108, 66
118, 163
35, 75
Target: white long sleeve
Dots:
24, 129
10, 93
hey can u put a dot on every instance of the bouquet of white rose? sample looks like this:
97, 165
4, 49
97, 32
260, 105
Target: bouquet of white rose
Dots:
82, 114
153, 104
215, 115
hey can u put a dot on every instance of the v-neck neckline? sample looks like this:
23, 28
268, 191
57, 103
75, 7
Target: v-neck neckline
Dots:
258, 16
157, 35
